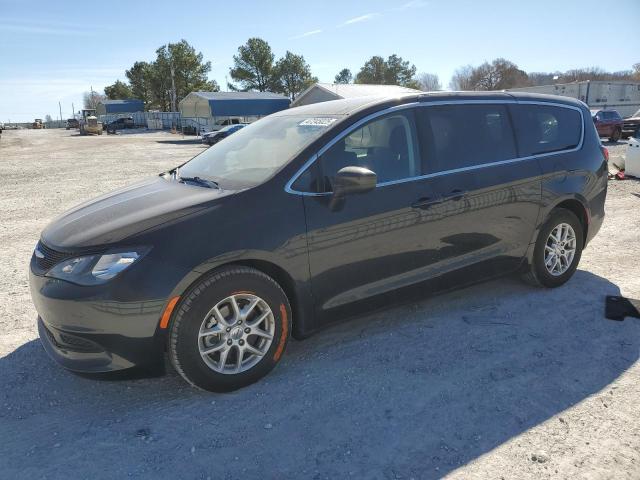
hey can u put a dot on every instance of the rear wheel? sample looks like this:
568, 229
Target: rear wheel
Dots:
557, 251
615, 136
230, 330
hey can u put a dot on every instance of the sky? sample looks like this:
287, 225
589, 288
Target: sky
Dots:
53, 51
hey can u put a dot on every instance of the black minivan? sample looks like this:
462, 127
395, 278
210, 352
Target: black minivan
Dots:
313, 214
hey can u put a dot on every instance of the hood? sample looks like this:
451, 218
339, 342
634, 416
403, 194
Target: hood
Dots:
126, 212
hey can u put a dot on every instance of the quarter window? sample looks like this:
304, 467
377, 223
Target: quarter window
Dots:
385, 146
544, 129
459, 136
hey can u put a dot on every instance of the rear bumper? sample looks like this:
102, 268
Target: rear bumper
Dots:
596, 214
85, 330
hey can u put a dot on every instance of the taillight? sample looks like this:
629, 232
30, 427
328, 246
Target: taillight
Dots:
605, 153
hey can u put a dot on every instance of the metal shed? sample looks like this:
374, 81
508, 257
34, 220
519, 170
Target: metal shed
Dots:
324, 92
129, 105
597, 94
209, 110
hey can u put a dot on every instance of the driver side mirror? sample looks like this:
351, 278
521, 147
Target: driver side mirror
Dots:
349, 181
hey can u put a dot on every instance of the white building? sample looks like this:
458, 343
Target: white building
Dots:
324, 92
601, 95
207, 111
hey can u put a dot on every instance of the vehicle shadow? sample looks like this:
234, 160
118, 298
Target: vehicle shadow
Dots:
415, 391
185, 141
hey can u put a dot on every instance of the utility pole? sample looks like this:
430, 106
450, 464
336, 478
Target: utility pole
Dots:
60, 107
73, 110
173, 88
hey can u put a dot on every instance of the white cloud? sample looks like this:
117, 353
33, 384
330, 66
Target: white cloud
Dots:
306, 34
361, 18
414, 4
42, 29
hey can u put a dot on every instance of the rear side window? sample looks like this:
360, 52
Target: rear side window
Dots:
544, 129
458, 136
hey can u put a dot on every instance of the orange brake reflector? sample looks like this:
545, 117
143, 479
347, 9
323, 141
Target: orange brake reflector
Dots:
164, 321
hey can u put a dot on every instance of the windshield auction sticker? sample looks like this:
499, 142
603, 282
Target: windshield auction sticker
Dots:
318, 122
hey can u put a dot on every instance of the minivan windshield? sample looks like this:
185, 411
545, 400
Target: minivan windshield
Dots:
254, 153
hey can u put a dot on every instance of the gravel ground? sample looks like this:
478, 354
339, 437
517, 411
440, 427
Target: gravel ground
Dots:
499, 380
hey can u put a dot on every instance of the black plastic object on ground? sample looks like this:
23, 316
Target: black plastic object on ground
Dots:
617, 308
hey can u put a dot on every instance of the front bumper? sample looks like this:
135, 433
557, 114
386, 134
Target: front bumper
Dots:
86, 329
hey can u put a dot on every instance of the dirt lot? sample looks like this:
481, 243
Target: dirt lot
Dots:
495, 381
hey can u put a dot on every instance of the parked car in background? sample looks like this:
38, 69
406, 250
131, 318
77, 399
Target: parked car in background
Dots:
631, 125
119, 124
72, 123
226, 122
211, 138
314, 214
608, 123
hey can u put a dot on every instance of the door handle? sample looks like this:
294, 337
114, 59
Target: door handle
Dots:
425, 202
455, 195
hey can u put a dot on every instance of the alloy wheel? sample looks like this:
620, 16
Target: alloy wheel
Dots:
560, 249
236, 333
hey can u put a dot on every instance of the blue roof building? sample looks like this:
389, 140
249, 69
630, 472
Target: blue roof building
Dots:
209, 109
129, 105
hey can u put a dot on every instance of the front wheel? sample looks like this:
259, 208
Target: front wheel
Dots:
230, 330
557, 251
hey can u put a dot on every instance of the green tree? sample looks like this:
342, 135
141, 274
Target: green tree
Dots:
118, 91
292, 75
253, 66
176, 65
179, 66
400, 72
393, 71
373, 71
344, 76
140, 76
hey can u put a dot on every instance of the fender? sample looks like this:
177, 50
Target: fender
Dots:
297, 287
570, 201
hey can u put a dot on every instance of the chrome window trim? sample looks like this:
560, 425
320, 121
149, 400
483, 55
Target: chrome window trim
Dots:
405, 106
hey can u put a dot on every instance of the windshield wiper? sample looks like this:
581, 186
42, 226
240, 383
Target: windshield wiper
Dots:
199, 180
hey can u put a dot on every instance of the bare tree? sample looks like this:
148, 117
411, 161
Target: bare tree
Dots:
583, 74
497, 75
92, 99
429, 82
461, 79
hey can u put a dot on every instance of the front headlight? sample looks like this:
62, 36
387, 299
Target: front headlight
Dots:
95, 269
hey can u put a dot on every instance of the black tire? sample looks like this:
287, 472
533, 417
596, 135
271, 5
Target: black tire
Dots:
537, 273
615, 136
183, 345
